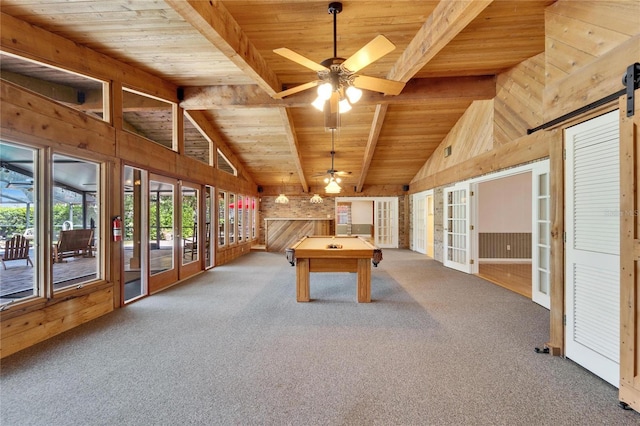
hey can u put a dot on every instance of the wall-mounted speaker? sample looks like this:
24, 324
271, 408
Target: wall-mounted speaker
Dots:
260, 189
180, 94
405, 187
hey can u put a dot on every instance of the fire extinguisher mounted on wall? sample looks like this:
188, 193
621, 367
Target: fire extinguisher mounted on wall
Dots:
117, 229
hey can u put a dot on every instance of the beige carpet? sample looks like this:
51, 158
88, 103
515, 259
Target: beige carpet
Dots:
232, 347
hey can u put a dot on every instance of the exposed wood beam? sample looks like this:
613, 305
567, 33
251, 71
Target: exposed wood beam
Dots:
447, 20
287, 121
372, 141
417, 91
214, 21
443, 25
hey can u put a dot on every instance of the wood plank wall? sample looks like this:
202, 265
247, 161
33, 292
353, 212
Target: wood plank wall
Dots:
472, 135
30, 118
518, 101
588, 46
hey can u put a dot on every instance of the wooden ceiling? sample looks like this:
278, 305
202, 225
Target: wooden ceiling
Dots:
448, 52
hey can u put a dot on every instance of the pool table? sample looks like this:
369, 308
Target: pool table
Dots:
333, 254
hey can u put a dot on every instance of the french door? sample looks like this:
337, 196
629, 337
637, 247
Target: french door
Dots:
385, 223
457, 241
163, 242
592, 249
420, 223
541, 235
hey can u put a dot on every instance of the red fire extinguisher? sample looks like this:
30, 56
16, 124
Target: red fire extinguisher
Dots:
117, 229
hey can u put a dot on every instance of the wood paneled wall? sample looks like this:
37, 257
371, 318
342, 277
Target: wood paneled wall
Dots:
31, 118
472, 135
518, 101
19, 332
588, 46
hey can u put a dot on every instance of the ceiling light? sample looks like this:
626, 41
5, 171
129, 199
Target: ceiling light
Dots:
282, 199
353, 94
344, 106
332, 187
325, 90
319, 103
316, 199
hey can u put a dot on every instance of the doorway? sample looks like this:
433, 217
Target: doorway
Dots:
423, 223
462, 241
162, 232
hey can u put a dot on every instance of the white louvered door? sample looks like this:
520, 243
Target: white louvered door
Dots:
592, 249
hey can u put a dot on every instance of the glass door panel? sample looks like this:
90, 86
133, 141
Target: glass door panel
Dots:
209, 210
541, 231
190, 229
189, 225
162, 239
134, 258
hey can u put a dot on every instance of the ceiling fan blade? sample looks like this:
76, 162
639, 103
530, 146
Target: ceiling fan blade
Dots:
342, 173
296, 89
389, 87
299, 59
370, 52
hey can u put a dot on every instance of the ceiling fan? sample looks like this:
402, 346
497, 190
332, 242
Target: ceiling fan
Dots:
337, 76
333, 178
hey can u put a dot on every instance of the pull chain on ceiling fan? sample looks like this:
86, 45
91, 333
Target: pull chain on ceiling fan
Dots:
338, 84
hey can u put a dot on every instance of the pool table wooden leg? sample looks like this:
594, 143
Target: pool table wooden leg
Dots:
302, 280
364, 281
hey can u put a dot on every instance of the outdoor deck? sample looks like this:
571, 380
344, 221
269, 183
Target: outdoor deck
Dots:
17, 281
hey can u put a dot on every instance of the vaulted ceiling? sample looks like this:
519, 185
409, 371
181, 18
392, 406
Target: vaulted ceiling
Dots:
447, 52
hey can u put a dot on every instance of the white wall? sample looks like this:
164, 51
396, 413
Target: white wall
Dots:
362, 212
505, 204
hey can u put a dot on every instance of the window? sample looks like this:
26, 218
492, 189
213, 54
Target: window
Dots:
75, 215
253, 219
65, 87
225, 165
222, 209
196, 143
232, 219
19, 213
148, 117
240, 216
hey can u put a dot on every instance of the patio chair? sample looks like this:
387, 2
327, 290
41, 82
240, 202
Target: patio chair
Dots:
15, 249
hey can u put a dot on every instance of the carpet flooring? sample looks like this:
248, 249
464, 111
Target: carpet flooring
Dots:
232, 347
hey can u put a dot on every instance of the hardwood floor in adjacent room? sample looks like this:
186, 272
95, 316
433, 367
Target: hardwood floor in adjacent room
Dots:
513, 276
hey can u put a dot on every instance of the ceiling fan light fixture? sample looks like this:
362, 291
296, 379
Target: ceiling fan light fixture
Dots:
325, 90
332, 187
344, 106
319, 103
353, 94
